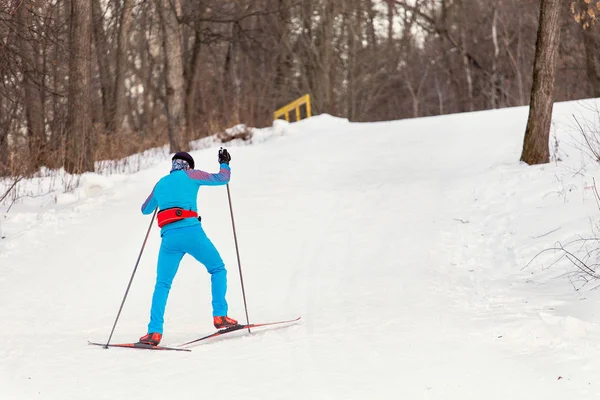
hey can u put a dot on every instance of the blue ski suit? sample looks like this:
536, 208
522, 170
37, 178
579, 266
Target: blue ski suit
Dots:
180, 189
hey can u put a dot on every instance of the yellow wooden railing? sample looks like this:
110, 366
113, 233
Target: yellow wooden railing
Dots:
294, 105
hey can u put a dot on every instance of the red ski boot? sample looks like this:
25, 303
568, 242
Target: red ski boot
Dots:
152, 339
224, 322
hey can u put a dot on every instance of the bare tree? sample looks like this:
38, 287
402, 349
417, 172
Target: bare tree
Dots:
535, 145
193, 82
146, 74
284, 64
32, 81
119, 92
495, 59
466, 59
102, 55
4, 165
58, 70
323, 61
175, 84
79, 153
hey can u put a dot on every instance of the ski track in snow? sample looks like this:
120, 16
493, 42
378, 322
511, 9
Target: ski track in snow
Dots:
403, 245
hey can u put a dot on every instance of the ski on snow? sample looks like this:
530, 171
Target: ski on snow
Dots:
236, 328
220, 332
139, 346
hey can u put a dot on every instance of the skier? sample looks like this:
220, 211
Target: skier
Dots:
181, 230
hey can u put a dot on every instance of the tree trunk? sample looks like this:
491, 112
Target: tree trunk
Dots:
193, 85
327, 66
175, 90
494, 81
537, 133
284, 59
119, 93
4, 164
106, 86
440, 96
456, 101
308, 57
147, 67
79, 153
390, 35
230, 85
467, 70
33, 106
57, 125
351, 22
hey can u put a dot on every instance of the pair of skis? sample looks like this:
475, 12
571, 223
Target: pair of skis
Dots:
181, 347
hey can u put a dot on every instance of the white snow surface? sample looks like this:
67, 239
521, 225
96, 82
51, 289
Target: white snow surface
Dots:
405, 246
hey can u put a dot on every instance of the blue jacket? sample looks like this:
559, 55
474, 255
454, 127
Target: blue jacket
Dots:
180, 189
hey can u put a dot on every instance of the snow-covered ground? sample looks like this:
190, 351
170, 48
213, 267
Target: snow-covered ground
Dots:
405, 247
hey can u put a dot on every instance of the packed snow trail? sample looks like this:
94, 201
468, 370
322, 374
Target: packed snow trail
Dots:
399, 244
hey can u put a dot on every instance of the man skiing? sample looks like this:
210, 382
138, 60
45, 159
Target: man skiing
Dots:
176, 195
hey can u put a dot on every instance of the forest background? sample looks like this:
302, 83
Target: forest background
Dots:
89, 80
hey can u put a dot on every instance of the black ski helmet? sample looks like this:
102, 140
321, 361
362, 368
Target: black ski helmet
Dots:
182, 155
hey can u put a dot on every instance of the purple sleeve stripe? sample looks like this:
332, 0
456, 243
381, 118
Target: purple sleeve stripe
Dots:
210, 179
148, 200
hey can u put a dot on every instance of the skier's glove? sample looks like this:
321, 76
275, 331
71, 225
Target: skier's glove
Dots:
224, 156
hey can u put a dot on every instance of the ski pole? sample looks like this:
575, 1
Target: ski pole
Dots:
131, 279
237, 252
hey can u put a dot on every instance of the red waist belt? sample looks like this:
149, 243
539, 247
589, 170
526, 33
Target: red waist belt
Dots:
170, 215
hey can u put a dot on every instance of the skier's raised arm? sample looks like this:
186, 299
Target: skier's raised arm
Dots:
220, 178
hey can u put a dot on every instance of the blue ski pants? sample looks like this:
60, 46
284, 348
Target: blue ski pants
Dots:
175, 244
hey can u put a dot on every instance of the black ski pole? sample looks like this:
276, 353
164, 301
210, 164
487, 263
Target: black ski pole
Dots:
131, 279
237, 252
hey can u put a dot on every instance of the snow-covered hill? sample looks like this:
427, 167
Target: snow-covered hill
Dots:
403, 245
